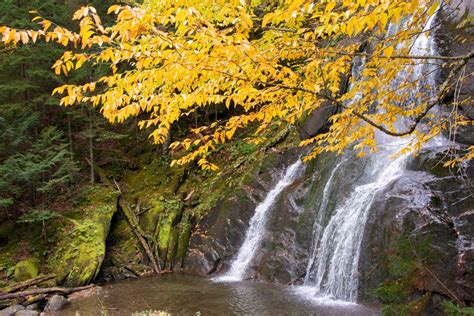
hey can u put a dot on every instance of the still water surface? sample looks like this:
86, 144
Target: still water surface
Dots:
187, 295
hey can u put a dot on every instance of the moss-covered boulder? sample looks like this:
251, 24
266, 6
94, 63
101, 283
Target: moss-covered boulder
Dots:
79, 256
26, 269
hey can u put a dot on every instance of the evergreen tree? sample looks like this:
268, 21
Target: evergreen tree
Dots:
39, 139
39, 172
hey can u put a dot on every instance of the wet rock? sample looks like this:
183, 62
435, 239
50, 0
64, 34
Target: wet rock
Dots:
56, 303
457, 41
426, 201
283, 253
430, 204
26, 269
285, 250
316, 121
220, 234
11, 310
33, 307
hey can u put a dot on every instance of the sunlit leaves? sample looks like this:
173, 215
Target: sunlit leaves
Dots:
169, 59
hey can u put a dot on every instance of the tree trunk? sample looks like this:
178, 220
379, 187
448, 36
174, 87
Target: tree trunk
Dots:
69, 131
91, 150
166, 144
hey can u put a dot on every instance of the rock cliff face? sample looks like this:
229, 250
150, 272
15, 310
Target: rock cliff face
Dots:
453, 40
427, 203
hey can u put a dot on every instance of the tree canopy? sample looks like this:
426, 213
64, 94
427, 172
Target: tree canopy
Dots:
267, 62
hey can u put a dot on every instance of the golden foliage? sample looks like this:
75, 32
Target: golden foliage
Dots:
168, 59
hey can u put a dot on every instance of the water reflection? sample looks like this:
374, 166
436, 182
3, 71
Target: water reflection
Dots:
186, 295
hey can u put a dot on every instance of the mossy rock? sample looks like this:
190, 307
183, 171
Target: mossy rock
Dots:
79, 256
26, 269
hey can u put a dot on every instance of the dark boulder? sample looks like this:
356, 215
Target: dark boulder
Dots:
56, 303
317, 121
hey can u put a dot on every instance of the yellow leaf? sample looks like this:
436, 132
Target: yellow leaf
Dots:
46, 24
388, 51
330, 6
433, 8
24, 37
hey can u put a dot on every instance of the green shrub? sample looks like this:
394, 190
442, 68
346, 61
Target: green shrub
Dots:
454, 310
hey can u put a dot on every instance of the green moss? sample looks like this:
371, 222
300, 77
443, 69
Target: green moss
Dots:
404, 270
173, 242
414, 307
153, 180
164, 231
183, 242
453, 309
168, 197
149, 221
26, 269
78, 258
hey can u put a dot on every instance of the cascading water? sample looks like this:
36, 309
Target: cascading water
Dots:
257, 227
334, 256
319, 224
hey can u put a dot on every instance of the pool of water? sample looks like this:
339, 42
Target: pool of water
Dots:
187, 295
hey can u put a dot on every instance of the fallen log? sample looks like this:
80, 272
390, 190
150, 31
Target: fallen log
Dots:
48, 290
132, 220
34, 299
27, 284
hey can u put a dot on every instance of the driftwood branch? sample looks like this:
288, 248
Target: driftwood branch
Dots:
40, 291
26, 284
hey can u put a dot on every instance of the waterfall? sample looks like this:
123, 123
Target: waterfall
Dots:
333, 263
256, 230
319, 224
334, 266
